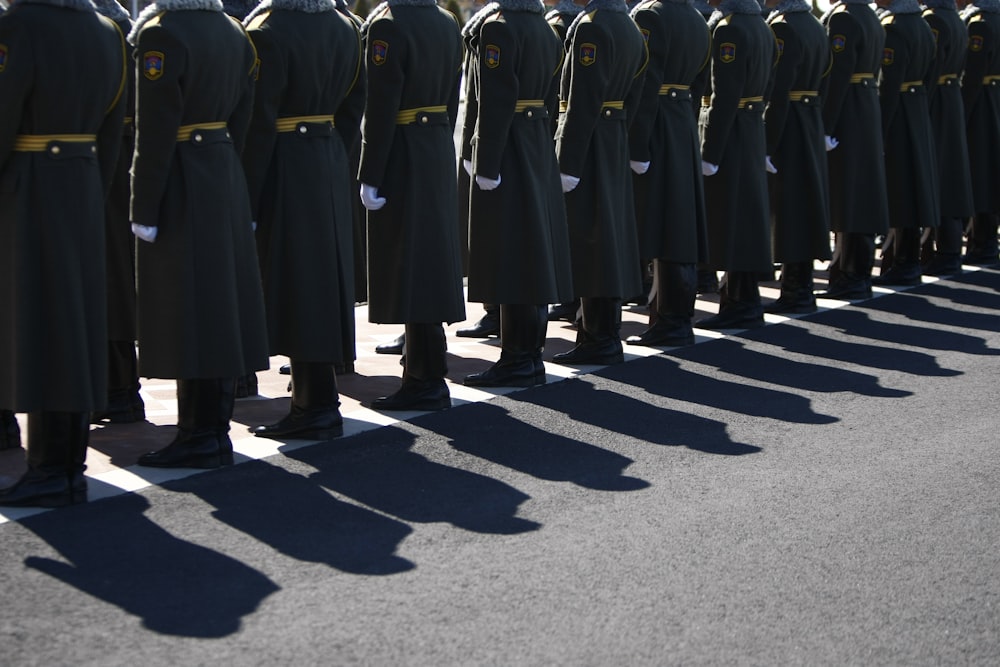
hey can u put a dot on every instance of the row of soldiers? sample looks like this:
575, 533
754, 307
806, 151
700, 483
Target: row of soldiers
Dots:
632, 136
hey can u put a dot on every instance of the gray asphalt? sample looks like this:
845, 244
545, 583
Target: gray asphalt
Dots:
819, 492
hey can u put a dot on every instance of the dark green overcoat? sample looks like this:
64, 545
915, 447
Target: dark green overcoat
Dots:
518, 238
793, 124
413, 56
910, 158
981, 98
670, 197
53, 316
852, 115
200, 305
605, 58
297, 167
947, 112
732, 137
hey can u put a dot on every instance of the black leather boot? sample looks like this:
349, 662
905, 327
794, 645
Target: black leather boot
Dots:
597, 340
79, 441
488, 325
796, 290
739, 303
10, 431
246, 386
982, 245
47, 482
394, 346
563, 311
904, 267
424, 370
708, 280
945, 258
519, 340
851, 267
204, 409
675, 293
125, 405
315, 413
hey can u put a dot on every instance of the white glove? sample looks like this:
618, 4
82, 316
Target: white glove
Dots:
487, 183
831, 143
568, 182
639, 167
709, 169
468, 166
769, 166
370, 198
147, 234
253, 225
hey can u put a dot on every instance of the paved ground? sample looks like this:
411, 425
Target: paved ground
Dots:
819, 491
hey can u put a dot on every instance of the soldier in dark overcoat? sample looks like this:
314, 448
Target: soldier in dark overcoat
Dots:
734, 150
413, 58
200, 305
666, 158
852, 120
600, 86
61, 114
306, 117
518, 238
944, 246
798, 180
10, 430
910, 157
981, 98
125, 405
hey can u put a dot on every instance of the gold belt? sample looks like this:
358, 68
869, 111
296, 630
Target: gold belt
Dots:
409, 116
290, 123
947, 79
801, 95
862, 76
184, 132
987, 80
667, 87
745, 101
908, 86
614, 104
37, 143
522, 105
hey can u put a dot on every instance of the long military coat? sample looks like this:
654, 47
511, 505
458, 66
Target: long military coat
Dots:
910, 158
852, 115
981, 97
605, 57
297, 165
518, 238
732, 137
200, 305
670, 197
793, 123
947, 112
413, 56
53, 318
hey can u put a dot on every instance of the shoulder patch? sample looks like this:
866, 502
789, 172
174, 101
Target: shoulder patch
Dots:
588, 54
152, 65
727, 52
888, 56
492, 55
3, 57
838, 43
380, 52
976, 43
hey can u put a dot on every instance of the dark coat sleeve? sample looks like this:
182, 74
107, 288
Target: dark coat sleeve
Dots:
385, 89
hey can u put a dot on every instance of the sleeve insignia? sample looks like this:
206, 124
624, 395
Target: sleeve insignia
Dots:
838, 43
645, 33
380, 52
492, 56
3, 57
976, 43
588, 54
727, 52
152, 65
888, 56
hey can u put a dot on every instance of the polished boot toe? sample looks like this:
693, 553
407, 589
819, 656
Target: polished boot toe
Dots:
736, 318
899, 277
507, 374
795, 305
488, 325
562, 311
192, 450
662, 334
393, 346
42, 488
304, 425
848, 290
421, 395
596, 354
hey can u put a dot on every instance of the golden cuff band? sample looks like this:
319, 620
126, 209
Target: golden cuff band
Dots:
744, 101
862, 76
802, 95
946, 79
409, 116
291, 123
37, 143
992, 78
522, 105
667, 87
184, 132
614, 104
909, 86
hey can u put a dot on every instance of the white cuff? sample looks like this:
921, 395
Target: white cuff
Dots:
568, 182
145, 233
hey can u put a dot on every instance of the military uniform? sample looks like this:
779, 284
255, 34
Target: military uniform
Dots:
732, 139
852, 116
910, 157
981, 97
200, 306
306, 117
413, 56
669, 196
600, 87
793, 122
60, 132
948, 123
518, 237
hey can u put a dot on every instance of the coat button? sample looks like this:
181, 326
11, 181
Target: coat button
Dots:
55, 150
607, 113
424, 120
197, 137
673, 93
303, 129
93, 149
530, 113
805, 99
